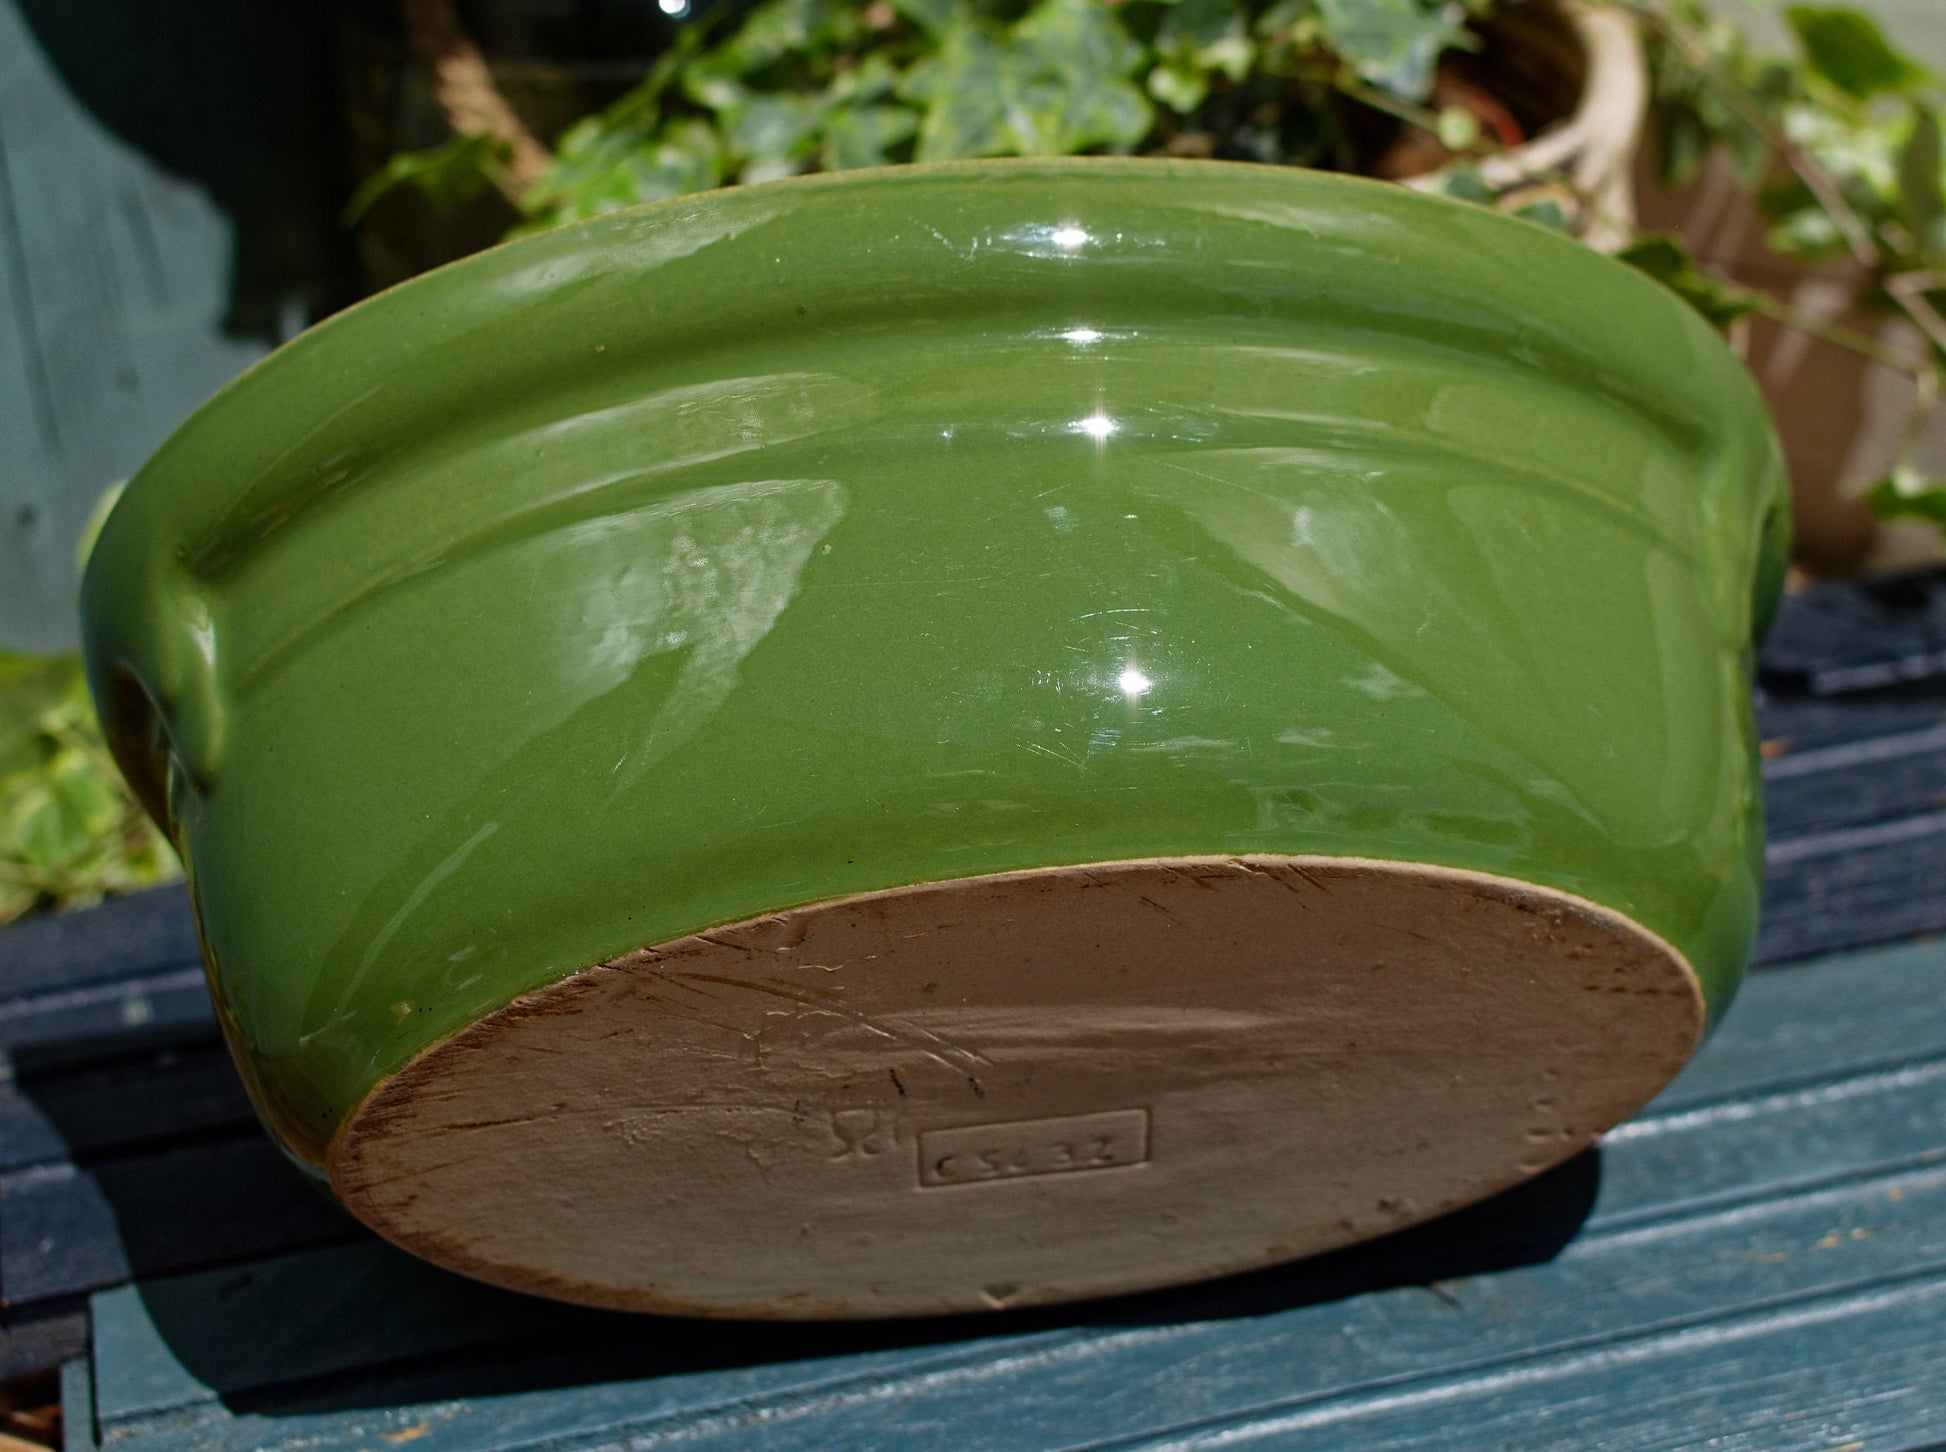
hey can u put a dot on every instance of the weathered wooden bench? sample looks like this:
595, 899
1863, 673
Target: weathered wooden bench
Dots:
1758, 1261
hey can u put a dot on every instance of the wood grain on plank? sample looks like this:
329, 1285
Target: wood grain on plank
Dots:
137, 936
1820, 1097
129, 1102
1876, 883
1616, 1296
66, 1229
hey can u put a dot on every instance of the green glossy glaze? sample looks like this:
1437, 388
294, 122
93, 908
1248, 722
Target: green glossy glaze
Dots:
823, 536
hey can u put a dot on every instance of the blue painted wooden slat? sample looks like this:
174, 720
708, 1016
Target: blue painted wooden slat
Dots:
1800, 1024
1775, 1142
80, 1019
366, 1305
1640, 1286
128, 1103
135, 936
43, 1337
71, 1229
1837, 639
1853, 1370
1721, 1198
1861, 781
1796, 722
1875, 883
130, 966
78, 1431
1132, 1382
1789, 1101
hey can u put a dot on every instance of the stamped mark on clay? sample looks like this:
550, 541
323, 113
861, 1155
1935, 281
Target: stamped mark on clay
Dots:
977, 1153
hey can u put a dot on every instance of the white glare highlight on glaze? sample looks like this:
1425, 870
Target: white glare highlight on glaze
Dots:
677, 8
1097, 426
1069, 237
1133, 683
1082, 337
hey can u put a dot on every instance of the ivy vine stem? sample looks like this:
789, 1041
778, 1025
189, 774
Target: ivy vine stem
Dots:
1349, 85
1909, 290
466, 92
1855, 231
1837, 334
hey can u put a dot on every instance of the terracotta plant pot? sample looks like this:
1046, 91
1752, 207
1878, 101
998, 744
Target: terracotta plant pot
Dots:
957, 737
1843, 418
1578, 70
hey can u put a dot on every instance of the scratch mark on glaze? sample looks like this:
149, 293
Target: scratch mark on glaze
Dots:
452, 863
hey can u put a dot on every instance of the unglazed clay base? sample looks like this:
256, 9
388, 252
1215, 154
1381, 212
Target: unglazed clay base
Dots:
1011, 1090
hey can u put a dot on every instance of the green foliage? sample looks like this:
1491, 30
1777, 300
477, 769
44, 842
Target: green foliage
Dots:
1902, 496
1849, 108
1669, 262
1056, 82
1394, 44
816, 85
453, 174
70, 829
70, 832
1846, 49
1701, 69
1198, 45
1842, 142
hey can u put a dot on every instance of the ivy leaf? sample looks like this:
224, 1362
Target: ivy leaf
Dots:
1064, 115
1463, 183
1196, 40
449, 176
1203, 30
1919, 180
69, 828
55, 820
1846, 48
1682, 145
32, 690
1669, 262
1394, 44
1897, 497
773, 136
1547, 212
1082, 34
872, 79
1072, 88
935, 17
1069, 86
1179, 84
961, 92
714, 89
1809, 233
1799, 225
864, 135
1056, 83
1458, 129
609, 171
785, 28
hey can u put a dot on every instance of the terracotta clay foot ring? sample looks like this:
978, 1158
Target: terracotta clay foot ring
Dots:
1023, 1088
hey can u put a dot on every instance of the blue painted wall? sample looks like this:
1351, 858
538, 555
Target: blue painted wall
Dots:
116, 278
155, 238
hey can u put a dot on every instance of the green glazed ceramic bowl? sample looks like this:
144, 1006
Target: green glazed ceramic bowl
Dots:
957, 736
